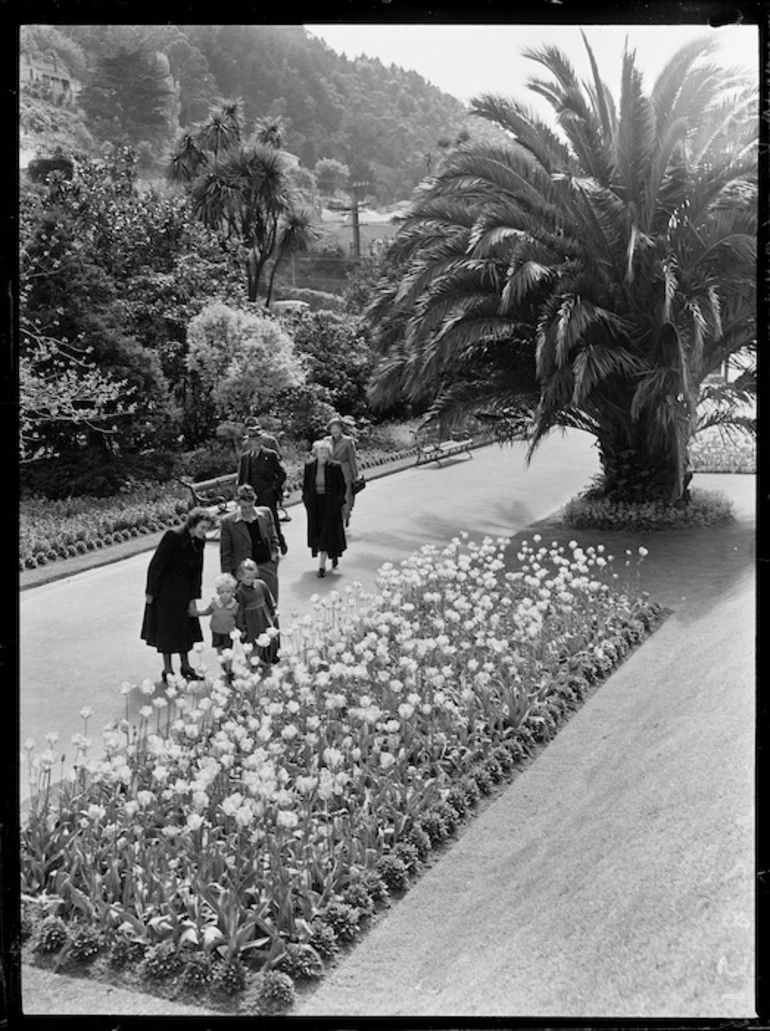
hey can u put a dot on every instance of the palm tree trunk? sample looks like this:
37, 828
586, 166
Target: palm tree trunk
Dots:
273, 270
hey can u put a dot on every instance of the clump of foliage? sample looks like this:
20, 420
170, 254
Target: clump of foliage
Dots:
706, 508
276, 992
51, 934
162, 961
85, 944
301, 962
197, 972
229, 976
238, 363
336, 354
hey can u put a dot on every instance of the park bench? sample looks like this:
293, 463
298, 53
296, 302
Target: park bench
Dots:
438, 450
217, 493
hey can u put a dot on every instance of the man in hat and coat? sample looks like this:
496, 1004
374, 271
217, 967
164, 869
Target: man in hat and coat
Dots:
261, 468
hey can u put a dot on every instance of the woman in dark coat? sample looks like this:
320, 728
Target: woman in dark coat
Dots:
323, 494
173, 585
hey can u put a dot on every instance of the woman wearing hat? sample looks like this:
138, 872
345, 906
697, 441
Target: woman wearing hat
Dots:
344, 452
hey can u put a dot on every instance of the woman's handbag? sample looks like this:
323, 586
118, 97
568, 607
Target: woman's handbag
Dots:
358, 484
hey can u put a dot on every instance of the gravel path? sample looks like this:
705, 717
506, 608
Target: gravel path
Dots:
614, 877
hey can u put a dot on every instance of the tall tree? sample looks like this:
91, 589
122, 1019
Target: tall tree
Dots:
243, 192
610, 265
130, 97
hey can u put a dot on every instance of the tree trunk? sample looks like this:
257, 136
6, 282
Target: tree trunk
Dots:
252, 276
634, 471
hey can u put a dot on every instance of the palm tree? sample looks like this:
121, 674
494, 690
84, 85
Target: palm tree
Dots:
618, 254
243, 192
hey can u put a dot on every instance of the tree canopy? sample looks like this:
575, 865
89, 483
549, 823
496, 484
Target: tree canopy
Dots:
597, 272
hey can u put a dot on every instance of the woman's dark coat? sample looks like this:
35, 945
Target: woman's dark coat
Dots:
173, 580
330, 537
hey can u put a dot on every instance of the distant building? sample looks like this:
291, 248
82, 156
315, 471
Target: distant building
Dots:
50, 71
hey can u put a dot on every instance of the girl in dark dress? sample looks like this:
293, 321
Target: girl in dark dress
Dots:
256, 611
323, 494
173, 584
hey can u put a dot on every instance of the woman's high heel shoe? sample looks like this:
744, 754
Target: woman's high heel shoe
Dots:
189, 673
321, 572
334, 563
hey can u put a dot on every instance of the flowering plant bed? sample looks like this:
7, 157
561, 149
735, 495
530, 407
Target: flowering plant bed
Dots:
249, 826
706, 508
713, 452
52, 530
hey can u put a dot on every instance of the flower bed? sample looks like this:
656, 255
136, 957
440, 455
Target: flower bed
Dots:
52, 530
706, 508
713, 452
243, 831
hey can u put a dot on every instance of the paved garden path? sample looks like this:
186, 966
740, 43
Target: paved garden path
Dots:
79, 636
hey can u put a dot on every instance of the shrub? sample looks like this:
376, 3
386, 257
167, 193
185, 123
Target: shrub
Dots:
393, 872
420, 841
229, 976
162, 961
323, 939
52, 934
493, 769
407, 853
357, 897
343, 919
216, 458
126, 951
240, 361
337, 355
197, 972
706, 508
85, 944
301, 962
483, 780
374, 885
434, 825
276, 992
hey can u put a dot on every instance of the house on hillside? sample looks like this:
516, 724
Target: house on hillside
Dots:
50, 71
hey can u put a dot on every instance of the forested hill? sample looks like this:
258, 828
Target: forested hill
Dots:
386, 124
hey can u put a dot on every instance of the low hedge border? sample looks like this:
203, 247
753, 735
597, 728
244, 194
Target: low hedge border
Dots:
234, 986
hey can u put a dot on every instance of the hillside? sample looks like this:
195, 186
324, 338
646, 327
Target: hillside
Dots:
387, 124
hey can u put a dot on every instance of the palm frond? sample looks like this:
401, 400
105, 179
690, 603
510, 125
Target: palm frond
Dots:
634, 140
526, 128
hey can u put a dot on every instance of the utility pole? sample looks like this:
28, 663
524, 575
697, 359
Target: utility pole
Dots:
354, 190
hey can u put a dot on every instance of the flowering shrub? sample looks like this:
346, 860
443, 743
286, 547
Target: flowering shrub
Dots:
711, 451
272, 807
707, 508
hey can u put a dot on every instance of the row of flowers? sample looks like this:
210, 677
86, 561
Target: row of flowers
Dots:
53, 530
255, 823
712, 452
